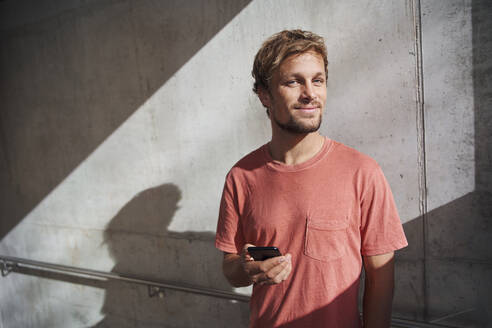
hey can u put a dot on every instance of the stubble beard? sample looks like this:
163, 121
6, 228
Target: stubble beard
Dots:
296, 126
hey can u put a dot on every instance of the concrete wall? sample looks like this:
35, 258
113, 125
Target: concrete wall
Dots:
458, 231
121, 118
448, 265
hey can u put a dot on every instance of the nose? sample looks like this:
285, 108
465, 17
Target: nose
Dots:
308, 93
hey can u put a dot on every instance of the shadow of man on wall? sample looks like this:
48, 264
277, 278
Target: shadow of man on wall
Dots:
141, 245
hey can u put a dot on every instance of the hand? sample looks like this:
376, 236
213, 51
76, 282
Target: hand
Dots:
269, 272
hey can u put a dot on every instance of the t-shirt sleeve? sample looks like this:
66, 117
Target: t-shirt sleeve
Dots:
229, 236
381, 228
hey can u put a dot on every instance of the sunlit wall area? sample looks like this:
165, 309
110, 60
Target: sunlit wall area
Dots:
456, 44
121, 118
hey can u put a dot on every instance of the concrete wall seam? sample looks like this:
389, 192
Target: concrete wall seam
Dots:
421, 160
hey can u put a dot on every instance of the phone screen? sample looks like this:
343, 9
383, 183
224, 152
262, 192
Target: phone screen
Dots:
263, 253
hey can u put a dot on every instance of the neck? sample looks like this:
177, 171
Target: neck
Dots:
293, 149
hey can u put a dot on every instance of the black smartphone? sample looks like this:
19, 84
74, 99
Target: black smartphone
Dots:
263, 253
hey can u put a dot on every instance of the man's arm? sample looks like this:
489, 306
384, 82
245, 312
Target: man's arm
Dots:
378, 291
241, 270
232, 267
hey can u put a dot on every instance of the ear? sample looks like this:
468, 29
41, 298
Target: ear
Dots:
265, 97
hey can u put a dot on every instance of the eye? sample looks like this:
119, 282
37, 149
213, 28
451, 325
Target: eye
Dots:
292, 82
319, 81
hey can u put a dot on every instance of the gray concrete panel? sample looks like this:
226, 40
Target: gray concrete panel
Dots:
448, 93
120, 120
459, 292
409, 291
457, 229
70, 80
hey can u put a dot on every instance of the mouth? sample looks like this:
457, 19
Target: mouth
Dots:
311, 109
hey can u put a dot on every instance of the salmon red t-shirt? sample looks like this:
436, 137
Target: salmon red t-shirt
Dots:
327, 212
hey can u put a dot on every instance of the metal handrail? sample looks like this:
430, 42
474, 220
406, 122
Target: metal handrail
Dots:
405, 323
9, 263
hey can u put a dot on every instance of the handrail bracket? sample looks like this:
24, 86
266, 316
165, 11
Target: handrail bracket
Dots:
6, 267
156, 291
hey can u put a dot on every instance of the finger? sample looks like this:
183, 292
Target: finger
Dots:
272, 266
259, 276
270, 263
275, 275
276, 270
245, 248
279, 273
244, 253
257, 269
284, 274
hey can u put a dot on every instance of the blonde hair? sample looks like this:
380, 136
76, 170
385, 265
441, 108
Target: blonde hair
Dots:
280, 46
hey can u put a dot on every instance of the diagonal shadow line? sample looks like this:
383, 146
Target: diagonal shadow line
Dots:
459, 233
67, 82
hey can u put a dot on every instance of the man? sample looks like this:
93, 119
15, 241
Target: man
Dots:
325, 205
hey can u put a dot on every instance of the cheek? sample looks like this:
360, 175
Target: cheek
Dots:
287, 99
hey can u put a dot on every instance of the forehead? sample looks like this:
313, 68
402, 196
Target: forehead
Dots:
309, 62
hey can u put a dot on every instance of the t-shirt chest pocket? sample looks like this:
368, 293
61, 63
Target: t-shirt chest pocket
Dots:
326, 238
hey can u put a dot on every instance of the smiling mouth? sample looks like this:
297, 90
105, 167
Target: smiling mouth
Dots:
307, 109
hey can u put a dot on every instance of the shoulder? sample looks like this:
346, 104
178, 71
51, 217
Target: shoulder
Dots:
354, 159
246, 171
252, 161
365, 172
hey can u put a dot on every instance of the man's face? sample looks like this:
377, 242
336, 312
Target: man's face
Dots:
297, 93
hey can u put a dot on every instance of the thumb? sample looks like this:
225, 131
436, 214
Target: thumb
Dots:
245, 247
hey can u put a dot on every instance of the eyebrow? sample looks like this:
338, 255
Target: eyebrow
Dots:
299, 74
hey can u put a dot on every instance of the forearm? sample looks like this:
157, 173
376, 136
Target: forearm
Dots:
377, 305
378, 292
234, 271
